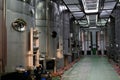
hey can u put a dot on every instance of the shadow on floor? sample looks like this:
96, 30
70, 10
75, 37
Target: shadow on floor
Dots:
15, 76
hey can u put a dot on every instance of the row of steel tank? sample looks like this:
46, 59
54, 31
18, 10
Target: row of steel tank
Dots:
48, 16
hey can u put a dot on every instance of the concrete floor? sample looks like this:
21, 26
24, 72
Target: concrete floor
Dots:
91, 68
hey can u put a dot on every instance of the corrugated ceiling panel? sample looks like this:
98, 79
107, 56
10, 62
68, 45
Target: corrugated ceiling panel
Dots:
90, 0
71, 1
90, 7
78, 14
74, 8
109, 0
109, 5
105, 13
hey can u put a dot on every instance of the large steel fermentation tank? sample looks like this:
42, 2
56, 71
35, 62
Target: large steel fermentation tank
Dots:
18, 41
46, 21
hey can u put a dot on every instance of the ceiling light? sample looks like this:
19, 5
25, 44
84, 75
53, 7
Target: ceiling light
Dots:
62, 8
109, 20
93, 8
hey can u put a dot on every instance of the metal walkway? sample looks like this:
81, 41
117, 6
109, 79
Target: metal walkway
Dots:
91, 68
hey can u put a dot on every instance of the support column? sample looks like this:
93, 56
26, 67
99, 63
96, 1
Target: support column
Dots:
65, 60
98, 43
94, 42
102, 42
3, 36
83, 42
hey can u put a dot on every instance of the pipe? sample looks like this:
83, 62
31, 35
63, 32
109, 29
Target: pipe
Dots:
4, 37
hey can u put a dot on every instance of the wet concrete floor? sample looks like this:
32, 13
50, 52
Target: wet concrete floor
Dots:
91, 68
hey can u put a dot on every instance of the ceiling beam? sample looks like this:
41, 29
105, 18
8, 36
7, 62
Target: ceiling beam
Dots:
67, 8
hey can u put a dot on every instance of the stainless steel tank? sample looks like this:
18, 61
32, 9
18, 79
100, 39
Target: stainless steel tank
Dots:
46, 12
17, 41
66, 31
